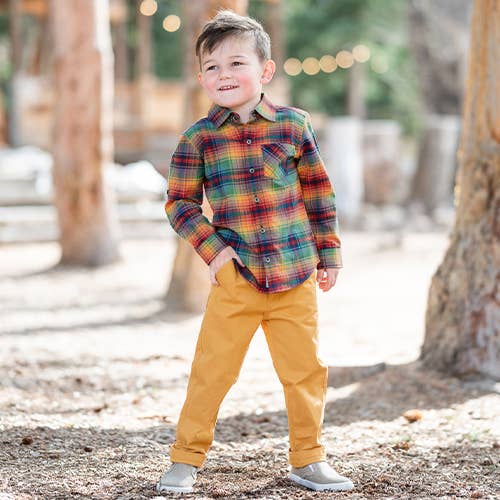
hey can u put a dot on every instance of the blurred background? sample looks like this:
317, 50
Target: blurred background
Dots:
101, 302
383, 80
92, 105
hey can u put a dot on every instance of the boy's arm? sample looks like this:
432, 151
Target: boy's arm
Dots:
185, 196
319, 200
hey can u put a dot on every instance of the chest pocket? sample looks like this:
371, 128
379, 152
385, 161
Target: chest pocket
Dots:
278, 161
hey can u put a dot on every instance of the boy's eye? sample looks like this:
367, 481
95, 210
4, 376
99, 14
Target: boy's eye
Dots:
237, 63
209, 68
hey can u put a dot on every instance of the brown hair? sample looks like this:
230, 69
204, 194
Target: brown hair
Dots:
228, 24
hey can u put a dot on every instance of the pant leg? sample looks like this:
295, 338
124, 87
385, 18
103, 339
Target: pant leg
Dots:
233, 313
291, 328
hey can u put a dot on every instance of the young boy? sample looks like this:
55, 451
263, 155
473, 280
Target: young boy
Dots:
274, 223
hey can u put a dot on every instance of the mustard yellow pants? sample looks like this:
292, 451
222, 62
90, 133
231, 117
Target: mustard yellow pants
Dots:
233, 313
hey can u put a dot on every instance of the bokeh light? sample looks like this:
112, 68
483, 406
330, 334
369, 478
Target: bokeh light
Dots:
361, 53
172, 23
148, 7
310, 66
328, 64
344, 59
292, 66
379, 64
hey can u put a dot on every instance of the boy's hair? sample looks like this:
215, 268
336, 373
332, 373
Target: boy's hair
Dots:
228, 24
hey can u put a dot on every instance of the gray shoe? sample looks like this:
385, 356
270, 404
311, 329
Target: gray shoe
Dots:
178, 478
320, 476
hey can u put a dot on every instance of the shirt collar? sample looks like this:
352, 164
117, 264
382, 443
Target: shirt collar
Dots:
218, 114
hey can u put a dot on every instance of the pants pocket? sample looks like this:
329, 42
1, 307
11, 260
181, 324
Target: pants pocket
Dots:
225, 269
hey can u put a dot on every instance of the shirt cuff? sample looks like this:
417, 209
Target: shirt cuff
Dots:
210, 247
329, 257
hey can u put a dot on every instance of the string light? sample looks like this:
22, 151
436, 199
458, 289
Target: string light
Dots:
328, 63
172, 23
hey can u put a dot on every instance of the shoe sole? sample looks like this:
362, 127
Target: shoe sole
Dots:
345, 486
173, 489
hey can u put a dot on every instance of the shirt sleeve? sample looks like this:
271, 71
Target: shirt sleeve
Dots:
319, 199
184, 199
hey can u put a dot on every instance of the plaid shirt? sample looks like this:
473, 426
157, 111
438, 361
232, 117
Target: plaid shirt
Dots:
271, 197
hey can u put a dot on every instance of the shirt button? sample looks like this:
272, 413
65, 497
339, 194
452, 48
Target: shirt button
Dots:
249, 141
256, 199
262, 230
252, 170
267, 259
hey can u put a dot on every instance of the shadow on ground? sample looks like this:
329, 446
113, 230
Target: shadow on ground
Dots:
62, 462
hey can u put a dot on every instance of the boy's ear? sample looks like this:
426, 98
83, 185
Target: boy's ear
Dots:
268, 72
199, 77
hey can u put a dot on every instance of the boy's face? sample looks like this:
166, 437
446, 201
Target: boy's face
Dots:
232, 75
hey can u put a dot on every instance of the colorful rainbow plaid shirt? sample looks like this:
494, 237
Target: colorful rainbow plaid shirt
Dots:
271, 197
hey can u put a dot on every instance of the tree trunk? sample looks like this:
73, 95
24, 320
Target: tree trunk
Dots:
189, 284
82, 134
463, 313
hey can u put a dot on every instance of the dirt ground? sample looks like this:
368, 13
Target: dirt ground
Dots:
93, 373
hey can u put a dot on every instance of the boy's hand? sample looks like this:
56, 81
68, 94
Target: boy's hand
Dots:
327, 278
220, 259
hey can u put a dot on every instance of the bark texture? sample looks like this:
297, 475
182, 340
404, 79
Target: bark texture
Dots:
189, 285
82, 134
463, 314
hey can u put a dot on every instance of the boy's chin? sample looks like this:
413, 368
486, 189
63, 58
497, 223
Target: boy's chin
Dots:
227, 103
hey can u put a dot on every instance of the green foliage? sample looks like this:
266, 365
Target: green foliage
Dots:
318, 27
167, 54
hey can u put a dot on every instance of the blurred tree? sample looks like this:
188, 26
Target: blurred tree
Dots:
82, 134
439, 37
319, 27
189, 285
463, 313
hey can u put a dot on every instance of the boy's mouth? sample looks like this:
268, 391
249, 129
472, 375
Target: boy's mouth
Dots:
228, 87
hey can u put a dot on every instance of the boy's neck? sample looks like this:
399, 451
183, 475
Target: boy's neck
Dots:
246, 114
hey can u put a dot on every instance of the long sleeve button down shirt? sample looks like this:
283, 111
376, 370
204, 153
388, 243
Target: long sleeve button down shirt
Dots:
271, 197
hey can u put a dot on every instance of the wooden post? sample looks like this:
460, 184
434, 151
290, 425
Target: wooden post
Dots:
432, 185
342, 155
120, 31
143, 76
14, 111
356, 89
